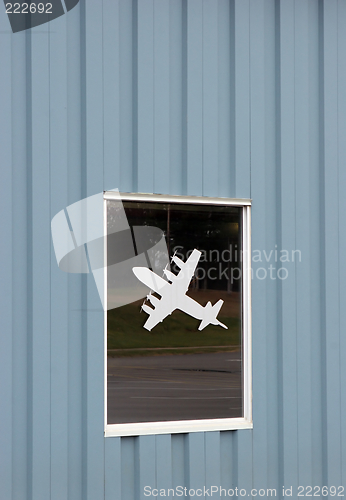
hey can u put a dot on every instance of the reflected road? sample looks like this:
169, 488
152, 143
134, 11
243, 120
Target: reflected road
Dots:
174, 387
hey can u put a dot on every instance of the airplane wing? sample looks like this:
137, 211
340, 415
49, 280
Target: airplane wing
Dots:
162, 308
187, 270
150, 279
170, 293
155, 317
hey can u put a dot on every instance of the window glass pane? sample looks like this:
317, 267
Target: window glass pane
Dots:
174, 371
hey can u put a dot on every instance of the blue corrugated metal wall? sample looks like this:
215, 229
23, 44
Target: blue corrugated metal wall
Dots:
239, 98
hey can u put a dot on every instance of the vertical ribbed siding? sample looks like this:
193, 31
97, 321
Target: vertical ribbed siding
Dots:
341, 232
332, 425
241, 98
19, 221
39, 289
286, 218
92, 78
75, 192
6, 203
59, 403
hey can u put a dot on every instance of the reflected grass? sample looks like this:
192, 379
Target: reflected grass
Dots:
125, 331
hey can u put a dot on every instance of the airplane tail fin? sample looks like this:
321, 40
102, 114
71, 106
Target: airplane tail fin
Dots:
210, 315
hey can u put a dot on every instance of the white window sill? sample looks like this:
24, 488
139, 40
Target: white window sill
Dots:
182, 426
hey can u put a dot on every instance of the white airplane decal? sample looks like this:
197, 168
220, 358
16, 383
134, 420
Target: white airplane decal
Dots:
173, 294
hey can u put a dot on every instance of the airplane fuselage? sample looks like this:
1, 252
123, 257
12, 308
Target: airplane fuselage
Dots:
173, 295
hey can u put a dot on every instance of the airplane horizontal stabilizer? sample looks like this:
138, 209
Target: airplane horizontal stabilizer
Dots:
210, 315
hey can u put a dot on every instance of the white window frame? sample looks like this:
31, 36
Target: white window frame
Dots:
184, 426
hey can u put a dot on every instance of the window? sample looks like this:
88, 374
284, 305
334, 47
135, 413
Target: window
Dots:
178, 318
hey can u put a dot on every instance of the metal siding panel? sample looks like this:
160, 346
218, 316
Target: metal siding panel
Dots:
74, 191
145, 87
75, 382
213, 463
161, 99
94, 351
210, 112
302, 188
259, 228
94, 105
111, 93
41, 283
246, 464
287, 288
164, 462
194, 98
314, 250
270, 122
59, 280
146, 465
226, 106
75, 428
227, 465
128, 469
74, 105
84, 304
195, 460
127, 103
241, 77
113, 472
331, 230
341, 215
19, 256
93, 383
178, 460
6, 306
322, 312
177, 113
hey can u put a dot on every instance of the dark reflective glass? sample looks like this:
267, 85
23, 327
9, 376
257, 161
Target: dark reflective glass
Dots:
175, 371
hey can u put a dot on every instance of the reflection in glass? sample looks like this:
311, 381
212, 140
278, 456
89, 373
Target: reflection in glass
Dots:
174, 371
